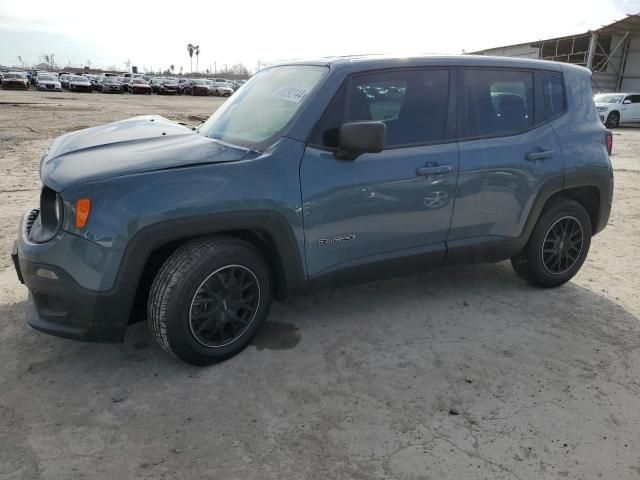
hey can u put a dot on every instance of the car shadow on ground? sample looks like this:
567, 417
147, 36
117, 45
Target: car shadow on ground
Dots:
469, 368
440, 305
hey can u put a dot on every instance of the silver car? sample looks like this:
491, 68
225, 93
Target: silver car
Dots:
222, 89
48, 82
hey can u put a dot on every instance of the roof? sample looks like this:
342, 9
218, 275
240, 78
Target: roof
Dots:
631, 23
357, 63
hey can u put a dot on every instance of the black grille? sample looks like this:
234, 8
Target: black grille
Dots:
49, 304
32, 218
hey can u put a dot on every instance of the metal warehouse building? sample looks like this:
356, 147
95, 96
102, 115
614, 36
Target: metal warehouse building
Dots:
611, 52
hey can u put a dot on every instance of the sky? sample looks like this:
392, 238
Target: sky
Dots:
154, 34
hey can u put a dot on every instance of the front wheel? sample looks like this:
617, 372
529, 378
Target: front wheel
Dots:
209, 299
557, 247
613, 120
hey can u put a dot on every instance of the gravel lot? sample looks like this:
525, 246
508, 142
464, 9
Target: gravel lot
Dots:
460, 373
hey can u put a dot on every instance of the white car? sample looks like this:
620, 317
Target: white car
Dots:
617, 108
48, 81
222, 88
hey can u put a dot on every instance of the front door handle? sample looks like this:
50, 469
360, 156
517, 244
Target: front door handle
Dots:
533, 156
434, 170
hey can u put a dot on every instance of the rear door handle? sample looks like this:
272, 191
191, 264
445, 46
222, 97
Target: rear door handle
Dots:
434, 170
533, 156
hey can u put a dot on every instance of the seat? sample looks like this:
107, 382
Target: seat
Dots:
512, 112
422, 115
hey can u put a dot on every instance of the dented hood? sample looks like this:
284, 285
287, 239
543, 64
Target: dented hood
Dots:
140, 144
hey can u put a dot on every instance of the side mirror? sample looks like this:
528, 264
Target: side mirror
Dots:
626, 102
355, 138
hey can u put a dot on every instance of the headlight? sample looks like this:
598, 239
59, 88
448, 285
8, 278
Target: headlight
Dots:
49, 221
601, 109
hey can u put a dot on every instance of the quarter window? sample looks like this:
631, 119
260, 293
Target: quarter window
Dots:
553, 93
413, 104
497, 102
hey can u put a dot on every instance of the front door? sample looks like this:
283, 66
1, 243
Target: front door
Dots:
633, 109
396, 204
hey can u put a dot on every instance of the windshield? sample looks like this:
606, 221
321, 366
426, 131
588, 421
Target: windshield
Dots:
78, 79
9, 76
197, 82
264, 106
609, 98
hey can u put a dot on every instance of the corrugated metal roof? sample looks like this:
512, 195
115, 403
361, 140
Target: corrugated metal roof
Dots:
631, 23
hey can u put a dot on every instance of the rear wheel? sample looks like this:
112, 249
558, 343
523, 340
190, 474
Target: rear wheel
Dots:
557, 247
209, 299
613, 120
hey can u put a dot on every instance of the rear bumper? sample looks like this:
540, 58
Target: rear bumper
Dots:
58, 305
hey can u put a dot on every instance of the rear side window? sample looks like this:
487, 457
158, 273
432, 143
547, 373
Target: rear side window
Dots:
412, 103
553, 94
497, 102
635, 98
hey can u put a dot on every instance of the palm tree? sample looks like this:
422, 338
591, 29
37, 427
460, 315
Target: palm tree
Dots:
172, 68
190, 49
197, 47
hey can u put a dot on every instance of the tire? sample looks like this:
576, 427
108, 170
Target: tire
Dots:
613, 120
196, 269
556, 232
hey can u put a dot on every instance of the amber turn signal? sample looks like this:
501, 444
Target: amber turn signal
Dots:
83, 208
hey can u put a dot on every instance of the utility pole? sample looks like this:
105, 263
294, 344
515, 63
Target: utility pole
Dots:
128, 64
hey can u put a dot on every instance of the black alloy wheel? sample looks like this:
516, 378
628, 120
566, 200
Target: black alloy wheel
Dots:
562, 245
224, 306
613, 120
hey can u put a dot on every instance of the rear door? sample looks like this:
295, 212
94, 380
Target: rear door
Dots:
507, 151
396, 204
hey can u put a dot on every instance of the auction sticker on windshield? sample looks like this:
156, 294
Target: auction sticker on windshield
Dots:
290, 94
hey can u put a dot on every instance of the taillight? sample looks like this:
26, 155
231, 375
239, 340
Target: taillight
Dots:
608, 140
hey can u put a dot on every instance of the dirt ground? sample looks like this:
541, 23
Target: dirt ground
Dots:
461, 373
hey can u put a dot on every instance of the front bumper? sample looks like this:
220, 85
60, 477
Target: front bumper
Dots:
58, 304
17, 85
51, 88
80, 88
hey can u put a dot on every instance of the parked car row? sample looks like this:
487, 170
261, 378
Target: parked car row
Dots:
112, 83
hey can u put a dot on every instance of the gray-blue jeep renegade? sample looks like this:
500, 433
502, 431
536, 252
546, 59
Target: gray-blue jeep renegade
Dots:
314, 174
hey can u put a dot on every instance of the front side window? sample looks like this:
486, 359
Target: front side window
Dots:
264, 106
413, 105
553, 93
497, 102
